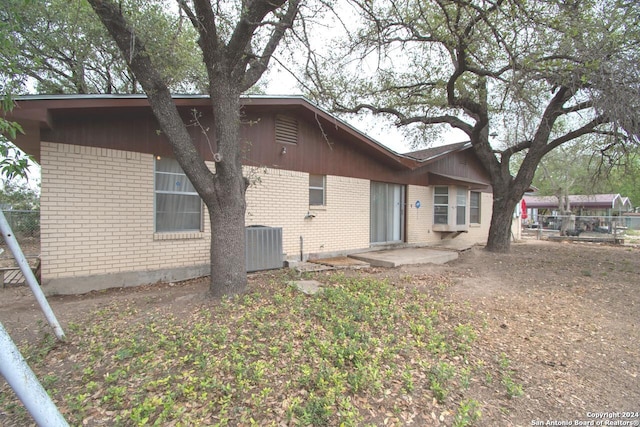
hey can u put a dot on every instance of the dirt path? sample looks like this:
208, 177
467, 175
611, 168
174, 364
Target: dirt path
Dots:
566, 315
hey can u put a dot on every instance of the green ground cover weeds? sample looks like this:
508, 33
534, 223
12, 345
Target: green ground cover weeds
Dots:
363, 352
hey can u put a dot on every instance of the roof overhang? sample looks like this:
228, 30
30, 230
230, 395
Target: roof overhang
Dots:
423, 157
443, 179
35, 112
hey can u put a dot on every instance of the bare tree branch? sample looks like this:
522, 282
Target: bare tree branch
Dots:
577, 133
157, 92
259, 65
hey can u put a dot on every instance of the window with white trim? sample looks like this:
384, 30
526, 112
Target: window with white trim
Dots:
177, 204
317, 185
461, 206
474, 207
441, 205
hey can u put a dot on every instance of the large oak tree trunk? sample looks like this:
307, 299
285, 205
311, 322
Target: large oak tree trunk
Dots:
227, 205
228, 271
507, 194
232, 67
499, 239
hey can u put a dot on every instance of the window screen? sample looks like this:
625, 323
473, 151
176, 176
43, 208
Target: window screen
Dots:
474, 207
316, 190
461, 206
441, 205
177, 206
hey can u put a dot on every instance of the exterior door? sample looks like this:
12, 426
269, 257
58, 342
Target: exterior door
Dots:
387, 212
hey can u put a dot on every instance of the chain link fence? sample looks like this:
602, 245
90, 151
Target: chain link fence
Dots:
616, 229
596, 224
26, 228
25, 224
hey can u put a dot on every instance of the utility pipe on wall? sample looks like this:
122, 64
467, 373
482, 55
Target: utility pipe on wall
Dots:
301, 249
13, 245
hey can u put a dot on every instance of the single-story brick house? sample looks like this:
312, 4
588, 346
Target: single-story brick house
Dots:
117, 210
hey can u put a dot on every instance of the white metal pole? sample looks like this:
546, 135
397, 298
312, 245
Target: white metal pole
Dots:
13, 245
24, 383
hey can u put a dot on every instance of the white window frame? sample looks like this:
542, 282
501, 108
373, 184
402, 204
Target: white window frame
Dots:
457, 198
183, 177
477, 208
440, 204
462, 194
316, 188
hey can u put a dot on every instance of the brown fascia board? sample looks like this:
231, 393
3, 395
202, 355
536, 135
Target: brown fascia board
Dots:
429, 155
35, 113
38, 109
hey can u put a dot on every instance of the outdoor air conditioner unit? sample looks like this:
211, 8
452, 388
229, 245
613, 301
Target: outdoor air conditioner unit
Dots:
263, 248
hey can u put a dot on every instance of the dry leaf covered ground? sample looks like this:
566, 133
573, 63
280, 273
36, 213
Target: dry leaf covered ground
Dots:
545, 335
568, 316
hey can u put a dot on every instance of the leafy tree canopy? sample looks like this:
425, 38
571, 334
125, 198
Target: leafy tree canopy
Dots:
515, 77
12, 162
17, 195
427, 64
60, 46
63, 48
578, 169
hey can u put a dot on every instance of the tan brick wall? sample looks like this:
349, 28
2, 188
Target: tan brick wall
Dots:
478, 232
420, 220
97, 215
97, 218
280, 198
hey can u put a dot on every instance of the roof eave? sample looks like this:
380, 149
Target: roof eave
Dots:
36, 109
456, 147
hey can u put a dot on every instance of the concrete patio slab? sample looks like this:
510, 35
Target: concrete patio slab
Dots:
406, 256
453, 244
308, 267
341, 262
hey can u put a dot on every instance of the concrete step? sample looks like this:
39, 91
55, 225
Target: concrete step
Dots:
406, 256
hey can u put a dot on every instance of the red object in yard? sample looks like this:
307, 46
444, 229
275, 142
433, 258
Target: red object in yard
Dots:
524, 209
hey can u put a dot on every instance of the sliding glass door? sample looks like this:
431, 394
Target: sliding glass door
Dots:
387, 212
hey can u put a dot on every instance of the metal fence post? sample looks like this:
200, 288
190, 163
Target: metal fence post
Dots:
13, 245
24, 383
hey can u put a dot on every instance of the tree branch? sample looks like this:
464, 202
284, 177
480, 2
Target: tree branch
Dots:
452, 121
157, 92
521, 146
204, 21
578, 107
584, 130
187, 10
375, 110
253, 12
258, 66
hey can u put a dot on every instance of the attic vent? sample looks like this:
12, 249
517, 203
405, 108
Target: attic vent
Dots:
286, 130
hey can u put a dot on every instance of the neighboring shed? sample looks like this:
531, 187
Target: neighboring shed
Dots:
583, 205
117, 210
